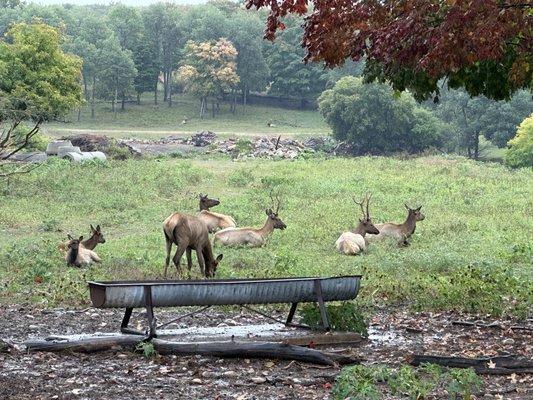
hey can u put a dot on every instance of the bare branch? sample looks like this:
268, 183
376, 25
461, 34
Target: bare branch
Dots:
22, 170
25, 141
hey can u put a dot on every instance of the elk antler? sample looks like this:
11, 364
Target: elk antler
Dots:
276, 201
360, 204
368, 196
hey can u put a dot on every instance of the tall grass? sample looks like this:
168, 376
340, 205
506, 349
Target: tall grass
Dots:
473, 251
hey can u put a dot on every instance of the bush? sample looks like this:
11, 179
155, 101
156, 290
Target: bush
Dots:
343, 317
520, 152
374, 120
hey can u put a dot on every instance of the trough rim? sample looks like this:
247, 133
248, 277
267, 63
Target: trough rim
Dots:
213, 281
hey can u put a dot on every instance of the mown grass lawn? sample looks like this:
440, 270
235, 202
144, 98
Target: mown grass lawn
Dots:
473, 252
149, 121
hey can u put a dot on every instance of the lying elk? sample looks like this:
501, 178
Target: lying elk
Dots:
77, 255
353, 242
214, 221
96, 238
254, 237
401, 232
189, 233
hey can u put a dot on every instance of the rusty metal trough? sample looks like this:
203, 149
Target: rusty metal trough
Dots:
207, 293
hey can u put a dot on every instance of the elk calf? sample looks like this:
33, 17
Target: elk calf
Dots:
353, 242
214, 221
96, 237
189, 233
253, 237
77, 255
401, 232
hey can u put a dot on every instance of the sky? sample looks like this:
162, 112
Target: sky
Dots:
127, 2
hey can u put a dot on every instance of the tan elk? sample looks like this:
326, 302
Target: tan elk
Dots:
214, 221
253, 237
96, 238
77, 255
353, 242
400, 232
189, 233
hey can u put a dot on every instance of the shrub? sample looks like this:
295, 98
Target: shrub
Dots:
343, 317
520, 152
375, 120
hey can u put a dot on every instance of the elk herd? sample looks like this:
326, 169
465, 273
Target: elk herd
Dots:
191, 233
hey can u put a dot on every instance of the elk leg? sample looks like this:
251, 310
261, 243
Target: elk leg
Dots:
189, 261
177, 257
201, 260
169, 249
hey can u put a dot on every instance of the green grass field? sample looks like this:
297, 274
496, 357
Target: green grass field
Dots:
151, 121
473, 251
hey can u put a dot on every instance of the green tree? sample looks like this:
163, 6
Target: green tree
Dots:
520, 151
209, 71
38, 82
289, 75
373, 120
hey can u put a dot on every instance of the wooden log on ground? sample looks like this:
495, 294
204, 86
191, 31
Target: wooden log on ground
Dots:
502, 365
269, 350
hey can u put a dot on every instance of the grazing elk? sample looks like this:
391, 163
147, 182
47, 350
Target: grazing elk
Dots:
77, 255
189, 233
353, 242
214, 221
254, 237
96, 237
401, 232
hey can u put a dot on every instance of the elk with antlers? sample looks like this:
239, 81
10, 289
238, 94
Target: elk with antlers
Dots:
353, 242
253, 237
214, 221
401, 232
78, 255
189, 233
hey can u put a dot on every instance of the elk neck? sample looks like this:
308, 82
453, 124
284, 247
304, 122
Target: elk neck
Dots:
360, 229
267, 228
90, 243
72, 256
203, 207
410, 224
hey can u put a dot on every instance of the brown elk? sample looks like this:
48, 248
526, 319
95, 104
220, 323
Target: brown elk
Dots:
353, 242
189, 233
96, 238
77, 255
401, 232
253, 237
214, 221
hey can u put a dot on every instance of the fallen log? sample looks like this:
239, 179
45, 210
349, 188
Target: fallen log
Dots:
269, 350
501, 365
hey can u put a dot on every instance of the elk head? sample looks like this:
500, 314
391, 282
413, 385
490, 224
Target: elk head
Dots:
415, 213
273, 215
74, 244
206, 203
212, 269
97, 234
365, 222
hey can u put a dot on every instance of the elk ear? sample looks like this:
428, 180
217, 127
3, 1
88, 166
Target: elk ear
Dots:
219, 258
81, 238
268, 211
92, 228
69, 237
406, 206
418, 209
97, 228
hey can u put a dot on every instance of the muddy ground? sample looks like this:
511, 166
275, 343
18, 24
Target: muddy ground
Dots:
123, 375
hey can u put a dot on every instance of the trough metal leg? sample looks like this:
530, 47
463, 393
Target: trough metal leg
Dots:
125, 321
291, 314
149, 311
321, 305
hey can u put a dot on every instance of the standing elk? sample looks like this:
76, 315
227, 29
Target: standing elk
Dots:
214, 221
401, 232
253, 237
189, 233
77, 255
353, 242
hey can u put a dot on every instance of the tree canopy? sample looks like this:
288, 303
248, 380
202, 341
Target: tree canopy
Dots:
520, 152
484, 46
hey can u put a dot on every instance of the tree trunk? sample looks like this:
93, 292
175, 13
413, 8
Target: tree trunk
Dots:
123, 101
165, 86
476, 146
79, 114
268, 350
114, 101
202, 107
155, 90
213, 108
244, 97
85, 90
170, 89
92, 102
138, 99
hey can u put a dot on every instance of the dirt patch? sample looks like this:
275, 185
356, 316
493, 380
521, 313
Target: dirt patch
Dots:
118, 375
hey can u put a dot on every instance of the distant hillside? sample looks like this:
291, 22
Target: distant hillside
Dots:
127, 2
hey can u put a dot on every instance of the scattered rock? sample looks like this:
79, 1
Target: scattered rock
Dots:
258, 379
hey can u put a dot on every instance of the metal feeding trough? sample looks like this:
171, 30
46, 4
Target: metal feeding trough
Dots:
207, 293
